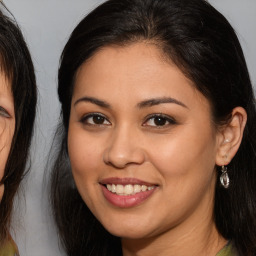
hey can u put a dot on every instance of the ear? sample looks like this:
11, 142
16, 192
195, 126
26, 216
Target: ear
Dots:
230, 136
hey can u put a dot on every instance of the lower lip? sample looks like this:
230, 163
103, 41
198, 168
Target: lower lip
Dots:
126, 201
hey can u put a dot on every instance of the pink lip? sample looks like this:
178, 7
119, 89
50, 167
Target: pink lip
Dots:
123, 201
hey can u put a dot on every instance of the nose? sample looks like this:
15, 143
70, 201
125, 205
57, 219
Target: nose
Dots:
124, 148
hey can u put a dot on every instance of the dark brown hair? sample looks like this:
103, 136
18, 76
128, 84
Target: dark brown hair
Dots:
16, 64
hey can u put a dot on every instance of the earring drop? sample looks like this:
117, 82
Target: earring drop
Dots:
224, 179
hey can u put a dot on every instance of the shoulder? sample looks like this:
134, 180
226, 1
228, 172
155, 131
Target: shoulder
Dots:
228, 250
9, 248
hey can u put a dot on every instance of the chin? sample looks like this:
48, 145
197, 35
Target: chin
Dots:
129, 232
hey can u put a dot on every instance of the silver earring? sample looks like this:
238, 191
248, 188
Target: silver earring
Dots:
224, 179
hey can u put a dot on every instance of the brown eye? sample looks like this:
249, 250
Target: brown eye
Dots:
95, 119
159, 120
98, 119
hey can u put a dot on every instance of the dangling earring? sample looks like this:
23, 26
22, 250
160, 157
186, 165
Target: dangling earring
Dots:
224, 179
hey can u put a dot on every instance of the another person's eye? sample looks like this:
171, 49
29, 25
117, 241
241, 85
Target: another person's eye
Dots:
95, 119
4, 112
159, 121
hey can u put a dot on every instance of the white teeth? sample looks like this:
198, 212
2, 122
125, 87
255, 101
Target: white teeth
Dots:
109, 187
137, 188
113, 189
119, 189
144, 188
128, 189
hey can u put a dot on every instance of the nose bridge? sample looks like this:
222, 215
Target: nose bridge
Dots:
124, 147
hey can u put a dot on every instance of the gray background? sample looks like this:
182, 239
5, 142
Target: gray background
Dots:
46, 26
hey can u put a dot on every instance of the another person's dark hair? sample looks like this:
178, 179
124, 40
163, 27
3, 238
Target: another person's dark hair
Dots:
17, 66
202, 43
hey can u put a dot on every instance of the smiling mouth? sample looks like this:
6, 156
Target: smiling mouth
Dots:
127, 190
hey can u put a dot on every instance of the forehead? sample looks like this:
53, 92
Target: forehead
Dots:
133, 73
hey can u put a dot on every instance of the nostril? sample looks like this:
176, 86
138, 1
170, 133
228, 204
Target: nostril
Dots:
121, 158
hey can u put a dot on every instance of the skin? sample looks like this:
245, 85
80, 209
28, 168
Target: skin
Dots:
178, 156
7, 124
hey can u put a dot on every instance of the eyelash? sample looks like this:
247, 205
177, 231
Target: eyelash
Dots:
4, 112
163, 119
85, 119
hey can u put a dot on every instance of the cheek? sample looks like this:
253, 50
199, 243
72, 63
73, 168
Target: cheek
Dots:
85, 157
6, 136
185, 156
84, 154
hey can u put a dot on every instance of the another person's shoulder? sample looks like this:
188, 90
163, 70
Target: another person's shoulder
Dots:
9, 248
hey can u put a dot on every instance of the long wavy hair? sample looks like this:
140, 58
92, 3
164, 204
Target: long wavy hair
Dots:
202, 43
16, 65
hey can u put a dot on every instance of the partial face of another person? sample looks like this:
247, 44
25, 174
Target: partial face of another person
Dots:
141, 142
7, 124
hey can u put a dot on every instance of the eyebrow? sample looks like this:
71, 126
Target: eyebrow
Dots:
157, 101
143, 104
95, 101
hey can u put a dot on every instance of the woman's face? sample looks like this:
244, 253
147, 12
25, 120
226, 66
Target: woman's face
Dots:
7, 124
141, 143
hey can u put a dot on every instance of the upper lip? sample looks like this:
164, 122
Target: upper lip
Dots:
125, 181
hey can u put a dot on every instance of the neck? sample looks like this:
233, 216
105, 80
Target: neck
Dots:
196, 235
198, 242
